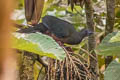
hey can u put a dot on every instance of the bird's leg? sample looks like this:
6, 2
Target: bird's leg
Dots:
55, 38
69, 49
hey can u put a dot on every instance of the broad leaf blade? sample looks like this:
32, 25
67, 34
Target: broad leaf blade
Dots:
40, 44
113, 71
110, 46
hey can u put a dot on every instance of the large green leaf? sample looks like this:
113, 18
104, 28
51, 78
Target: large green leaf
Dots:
113, 71
38, 43
110, 46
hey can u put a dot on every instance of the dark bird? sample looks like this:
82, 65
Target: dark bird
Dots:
63, 30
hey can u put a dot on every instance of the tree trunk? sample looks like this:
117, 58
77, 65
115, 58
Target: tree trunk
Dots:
27, 66
91, 41
109, 24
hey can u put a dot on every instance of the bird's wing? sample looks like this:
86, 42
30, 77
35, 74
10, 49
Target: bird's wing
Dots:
37, 28
57, 26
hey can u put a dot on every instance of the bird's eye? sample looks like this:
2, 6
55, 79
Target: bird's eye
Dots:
63, 36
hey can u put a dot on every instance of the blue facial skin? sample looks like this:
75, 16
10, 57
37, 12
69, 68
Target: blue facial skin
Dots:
89, 32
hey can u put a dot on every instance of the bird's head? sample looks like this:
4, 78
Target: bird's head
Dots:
85, 32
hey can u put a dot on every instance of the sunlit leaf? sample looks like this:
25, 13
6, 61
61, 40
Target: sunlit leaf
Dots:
38, 43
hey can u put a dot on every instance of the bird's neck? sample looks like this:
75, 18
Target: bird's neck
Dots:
82, 34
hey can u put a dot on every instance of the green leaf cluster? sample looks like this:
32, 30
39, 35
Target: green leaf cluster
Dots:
110, 46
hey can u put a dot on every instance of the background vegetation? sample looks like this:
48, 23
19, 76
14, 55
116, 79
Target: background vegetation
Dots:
95, 58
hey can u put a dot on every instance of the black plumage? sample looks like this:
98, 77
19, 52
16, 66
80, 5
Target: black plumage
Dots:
63, 30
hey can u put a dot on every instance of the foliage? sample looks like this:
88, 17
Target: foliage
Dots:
113, 71
38, 43
110, 45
